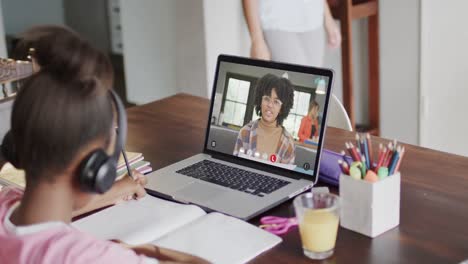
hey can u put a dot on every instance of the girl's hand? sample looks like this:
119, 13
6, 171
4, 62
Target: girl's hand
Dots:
133, 188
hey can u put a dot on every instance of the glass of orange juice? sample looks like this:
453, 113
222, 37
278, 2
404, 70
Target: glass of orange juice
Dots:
318, 217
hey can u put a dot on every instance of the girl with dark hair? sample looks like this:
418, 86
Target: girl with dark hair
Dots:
266, 137
64, 56
309, 128
62, 114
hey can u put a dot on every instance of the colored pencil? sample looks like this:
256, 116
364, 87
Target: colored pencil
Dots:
363, 147
393, 163
352, 151
366, 153
388, 155
344, 167
381, 159
402, 153
343, 155
357, 142
371, 151
356, 152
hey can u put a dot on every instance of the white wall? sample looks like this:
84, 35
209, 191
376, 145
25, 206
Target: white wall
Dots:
190, 48
225, 33
32, 12
149, 41
3, 50
399, 69
164, 49
444, 75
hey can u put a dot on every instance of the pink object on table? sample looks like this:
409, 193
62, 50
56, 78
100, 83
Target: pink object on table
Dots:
277, 225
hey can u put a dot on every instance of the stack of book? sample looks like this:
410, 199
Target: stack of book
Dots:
136, 162
10, 176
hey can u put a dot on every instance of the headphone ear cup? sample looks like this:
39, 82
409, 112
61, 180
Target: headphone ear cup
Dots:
97, 172
105, 176
9, 150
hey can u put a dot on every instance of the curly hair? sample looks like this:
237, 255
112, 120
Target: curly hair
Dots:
283, 88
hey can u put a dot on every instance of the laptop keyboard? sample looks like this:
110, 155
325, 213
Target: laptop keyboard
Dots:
234, 178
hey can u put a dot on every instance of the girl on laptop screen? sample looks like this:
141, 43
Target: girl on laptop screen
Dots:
266, 138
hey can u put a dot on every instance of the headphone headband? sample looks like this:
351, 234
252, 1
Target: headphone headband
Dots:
99, 170
121, 126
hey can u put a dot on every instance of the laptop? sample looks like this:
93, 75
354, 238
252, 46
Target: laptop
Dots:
256, 153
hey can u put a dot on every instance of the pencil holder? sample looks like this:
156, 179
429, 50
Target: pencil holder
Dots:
370, 208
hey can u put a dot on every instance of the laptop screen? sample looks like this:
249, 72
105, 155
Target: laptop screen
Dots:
269, 113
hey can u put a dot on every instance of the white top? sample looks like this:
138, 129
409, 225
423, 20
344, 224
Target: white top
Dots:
291, 15
36, 228
29, 229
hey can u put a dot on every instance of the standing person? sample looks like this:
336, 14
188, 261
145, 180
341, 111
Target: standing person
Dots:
309, 128
291, 31
266, 136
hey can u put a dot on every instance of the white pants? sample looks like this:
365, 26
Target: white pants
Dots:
305, 48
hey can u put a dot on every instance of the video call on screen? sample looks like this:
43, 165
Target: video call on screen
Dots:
268, 115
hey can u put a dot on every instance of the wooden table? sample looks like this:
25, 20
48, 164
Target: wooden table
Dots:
434, 191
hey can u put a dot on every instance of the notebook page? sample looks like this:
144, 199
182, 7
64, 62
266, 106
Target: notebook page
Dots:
137, 222
220, 239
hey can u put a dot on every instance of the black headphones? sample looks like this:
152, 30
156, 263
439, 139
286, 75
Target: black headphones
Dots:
97, 172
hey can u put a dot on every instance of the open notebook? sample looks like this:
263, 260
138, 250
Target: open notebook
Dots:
215, 237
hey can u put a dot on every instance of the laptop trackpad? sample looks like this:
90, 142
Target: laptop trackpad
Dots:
198, 193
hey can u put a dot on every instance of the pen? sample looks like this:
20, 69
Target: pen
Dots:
126, 164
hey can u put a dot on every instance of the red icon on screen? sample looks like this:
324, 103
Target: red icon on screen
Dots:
273, 158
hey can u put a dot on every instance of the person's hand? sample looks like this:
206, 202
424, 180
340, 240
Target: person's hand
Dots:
333, 33
140, 178
124, 189
164, 255
134, 187
259, 50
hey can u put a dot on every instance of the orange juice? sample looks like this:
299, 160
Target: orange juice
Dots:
318, 230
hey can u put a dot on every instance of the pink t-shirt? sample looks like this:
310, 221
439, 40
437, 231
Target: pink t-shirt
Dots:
54, 242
